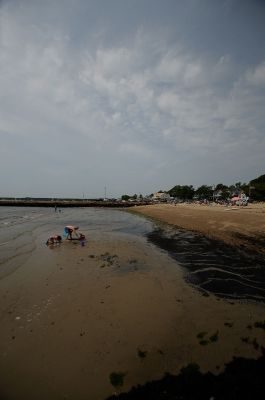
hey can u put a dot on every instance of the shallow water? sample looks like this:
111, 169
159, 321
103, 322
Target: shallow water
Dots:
22, 227
210, 266
71, 315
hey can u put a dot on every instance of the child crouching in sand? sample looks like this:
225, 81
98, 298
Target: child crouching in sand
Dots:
56, 239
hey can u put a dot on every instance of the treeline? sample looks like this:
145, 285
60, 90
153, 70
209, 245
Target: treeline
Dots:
255, 189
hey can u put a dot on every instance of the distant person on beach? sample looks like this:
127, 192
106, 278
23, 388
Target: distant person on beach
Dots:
69, 230
56, 239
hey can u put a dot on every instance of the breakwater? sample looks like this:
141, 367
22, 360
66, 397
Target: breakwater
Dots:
68, 203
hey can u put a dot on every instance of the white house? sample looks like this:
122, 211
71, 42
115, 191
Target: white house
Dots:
161, 196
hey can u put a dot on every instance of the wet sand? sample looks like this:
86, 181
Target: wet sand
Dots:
72, 315
239, 226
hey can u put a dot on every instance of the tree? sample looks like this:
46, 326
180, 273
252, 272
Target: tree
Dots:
257, 188
204, 192
245, 188
225, 194
260, 179
182, 192
221, 192
220, 186
234, 190
125, 197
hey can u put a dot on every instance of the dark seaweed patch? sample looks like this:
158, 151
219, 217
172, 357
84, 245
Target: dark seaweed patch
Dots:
213, 266
242, 379
117, 378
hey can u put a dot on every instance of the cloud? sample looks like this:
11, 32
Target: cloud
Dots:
143, 100
256, 76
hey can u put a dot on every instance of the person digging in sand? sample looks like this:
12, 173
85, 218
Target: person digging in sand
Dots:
69, 230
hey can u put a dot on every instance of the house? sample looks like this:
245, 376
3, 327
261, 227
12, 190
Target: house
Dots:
161, 196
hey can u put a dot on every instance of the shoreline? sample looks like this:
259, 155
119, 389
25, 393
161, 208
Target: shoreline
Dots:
227, 263
236, 226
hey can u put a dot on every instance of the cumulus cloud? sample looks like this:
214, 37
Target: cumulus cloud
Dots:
145, 102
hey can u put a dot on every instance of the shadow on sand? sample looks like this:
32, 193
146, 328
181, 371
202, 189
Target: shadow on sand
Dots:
242, 379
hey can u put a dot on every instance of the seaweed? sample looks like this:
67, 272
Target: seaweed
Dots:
201, 335
260, 324
142, 353
117, 378
214, 337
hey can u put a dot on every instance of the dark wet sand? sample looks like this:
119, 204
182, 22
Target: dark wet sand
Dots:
228, 262
239, 226
213, 266
71, 316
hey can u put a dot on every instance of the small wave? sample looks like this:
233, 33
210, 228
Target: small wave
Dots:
2, 244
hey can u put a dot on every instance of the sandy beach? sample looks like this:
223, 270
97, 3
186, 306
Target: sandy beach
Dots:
239, 226
71, 316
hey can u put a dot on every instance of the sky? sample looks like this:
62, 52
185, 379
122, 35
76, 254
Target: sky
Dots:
130, 96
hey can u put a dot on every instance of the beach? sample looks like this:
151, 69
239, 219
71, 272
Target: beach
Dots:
238, 226
74, 316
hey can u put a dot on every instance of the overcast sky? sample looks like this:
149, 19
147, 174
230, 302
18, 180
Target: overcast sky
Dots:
134, 95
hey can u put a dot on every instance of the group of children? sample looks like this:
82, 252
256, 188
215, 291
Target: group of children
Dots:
69, 231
